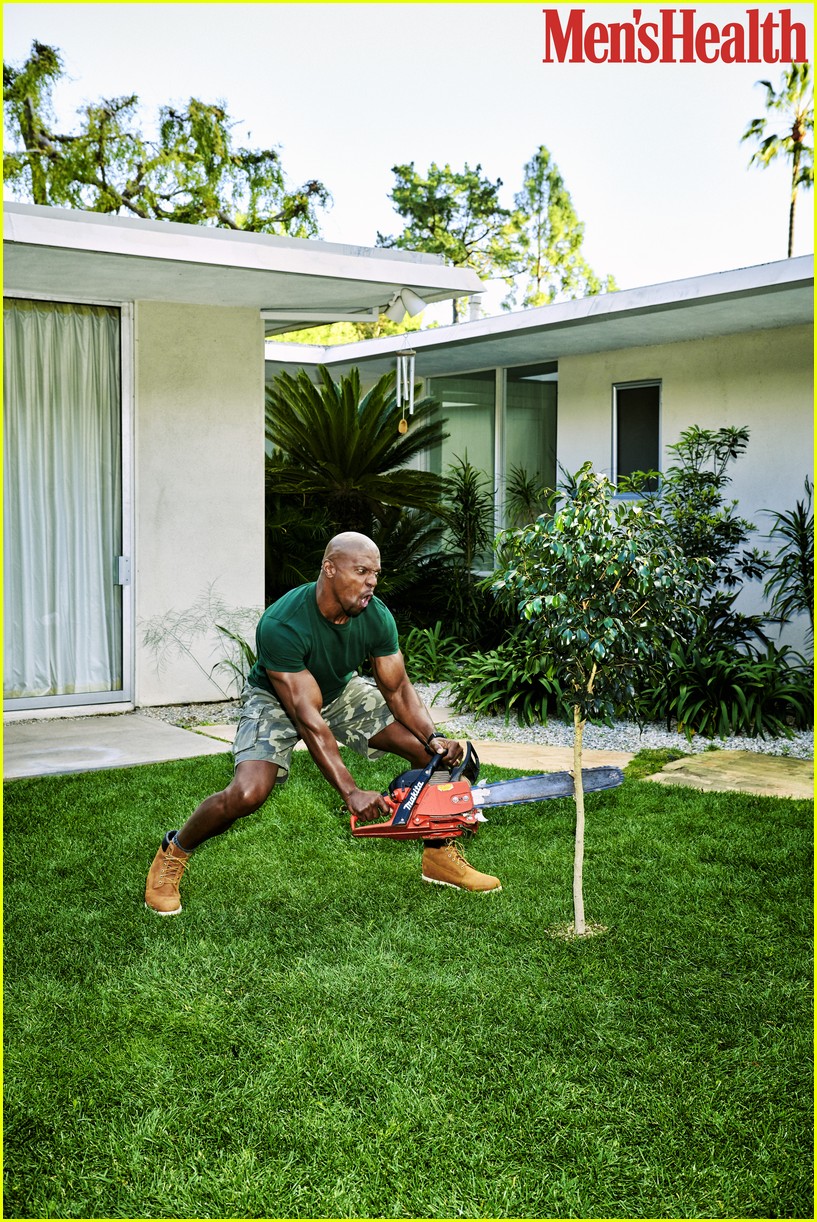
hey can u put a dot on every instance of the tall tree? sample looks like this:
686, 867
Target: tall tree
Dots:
192, 172
548, 238
794, 102
455, 214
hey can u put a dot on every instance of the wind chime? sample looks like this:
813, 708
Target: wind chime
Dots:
405, 386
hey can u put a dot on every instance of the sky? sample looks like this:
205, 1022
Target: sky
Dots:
650, 153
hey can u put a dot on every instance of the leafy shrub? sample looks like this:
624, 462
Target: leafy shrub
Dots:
723, 691
791, 584
430, 656
691, 496
606, 588
243, 659
526, 497
516, 677
192, 632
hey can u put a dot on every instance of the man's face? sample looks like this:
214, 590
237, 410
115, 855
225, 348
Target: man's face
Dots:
353, 577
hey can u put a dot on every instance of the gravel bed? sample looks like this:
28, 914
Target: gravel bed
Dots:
189, 715
623, 736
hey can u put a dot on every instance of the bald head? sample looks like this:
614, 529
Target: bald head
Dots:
349, 573
348, 544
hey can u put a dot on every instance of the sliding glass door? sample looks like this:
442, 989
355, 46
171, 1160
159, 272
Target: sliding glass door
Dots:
63, 504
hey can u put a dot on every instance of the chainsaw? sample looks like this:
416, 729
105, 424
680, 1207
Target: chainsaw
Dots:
428, 806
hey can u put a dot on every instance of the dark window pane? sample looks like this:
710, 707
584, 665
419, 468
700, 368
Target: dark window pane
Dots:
637, 414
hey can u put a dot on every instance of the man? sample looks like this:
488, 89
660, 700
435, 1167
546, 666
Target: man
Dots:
304, 685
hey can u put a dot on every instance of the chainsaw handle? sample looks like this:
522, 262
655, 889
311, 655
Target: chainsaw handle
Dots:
403, 812
354, 820
419, 773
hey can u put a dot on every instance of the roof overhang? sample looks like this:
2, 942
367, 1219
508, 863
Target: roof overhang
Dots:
96, 257
725, 303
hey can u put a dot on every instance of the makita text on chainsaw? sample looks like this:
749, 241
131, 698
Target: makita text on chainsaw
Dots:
674, 36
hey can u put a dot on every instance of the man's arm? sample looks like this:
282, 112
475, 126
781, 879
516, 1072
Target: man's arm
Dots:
406, 706
302, 701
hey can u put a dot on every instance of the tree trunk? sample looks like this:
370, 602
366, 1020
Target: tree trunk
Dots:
795, 171
579, 928
30, 129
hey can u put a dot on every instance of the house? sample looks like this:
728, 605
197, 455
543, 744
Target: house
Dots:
134, 439
615, 379
133, 430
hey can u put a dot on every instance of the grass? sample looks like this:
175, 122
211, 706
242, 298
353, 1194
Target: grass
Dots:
319, 1035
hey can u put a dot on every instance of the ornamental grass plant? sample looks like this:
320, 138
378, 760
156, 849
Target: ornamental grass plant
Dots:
320, 1035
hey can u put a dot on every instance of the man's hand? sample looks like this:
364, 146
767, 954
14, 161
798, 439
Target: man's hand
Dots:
367, 804
450, 749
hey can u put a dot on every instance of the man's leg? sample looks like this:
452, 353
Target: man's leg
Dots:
249, 789
397, 740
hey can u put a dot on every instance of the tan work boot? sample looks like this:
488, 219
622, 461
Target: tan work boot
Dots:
164, 876
446, 866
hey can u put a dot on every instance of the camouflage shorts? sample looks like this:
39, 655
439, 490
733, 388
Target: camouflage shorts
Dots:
265, 732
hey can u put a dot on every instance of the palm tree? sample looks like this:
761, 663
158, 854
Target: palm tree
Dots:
338, 462
796, 101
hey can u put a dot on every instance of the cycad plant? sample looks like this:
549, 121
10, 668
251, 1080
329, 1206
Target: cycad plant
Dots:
337, 461
343, 450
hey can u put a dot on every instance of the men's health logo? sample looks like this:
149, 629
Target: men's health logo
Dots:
674, 36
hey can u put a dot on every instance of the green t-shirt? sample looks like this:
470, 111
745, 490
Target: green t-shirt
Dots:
292, 635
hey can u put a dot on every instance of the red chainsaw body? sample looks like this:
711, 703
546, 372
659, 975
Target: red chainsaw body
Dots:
441, 810
422, 809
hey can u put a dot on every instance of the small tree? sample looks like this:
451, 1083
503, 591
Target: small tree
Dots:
609, 590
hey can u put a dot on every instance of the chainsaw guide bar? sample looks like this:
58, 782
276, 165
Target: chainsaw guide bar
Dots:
427, 808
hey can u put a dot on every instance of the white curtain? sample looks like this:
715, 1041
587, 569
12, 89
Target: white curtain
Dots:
62, 489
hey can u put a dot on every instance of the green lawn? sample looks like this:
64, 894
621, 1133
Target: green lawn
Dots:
320, 1035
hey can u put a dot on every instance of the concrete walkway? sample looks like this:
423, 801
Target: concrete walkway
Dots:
775, 776
85, 744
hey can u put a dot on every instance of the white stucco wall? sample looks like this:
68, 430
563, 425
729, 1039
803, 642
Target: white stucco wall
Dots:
761, 379
198, 482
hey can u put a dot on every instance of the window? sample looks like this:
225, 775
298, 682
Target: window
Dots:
467, 405
530, 422
636, 428
63, 500
500, 420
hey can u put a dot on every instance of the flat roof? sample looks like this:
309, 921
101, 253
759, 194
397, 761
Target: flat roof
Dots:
769, 295
100, 257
